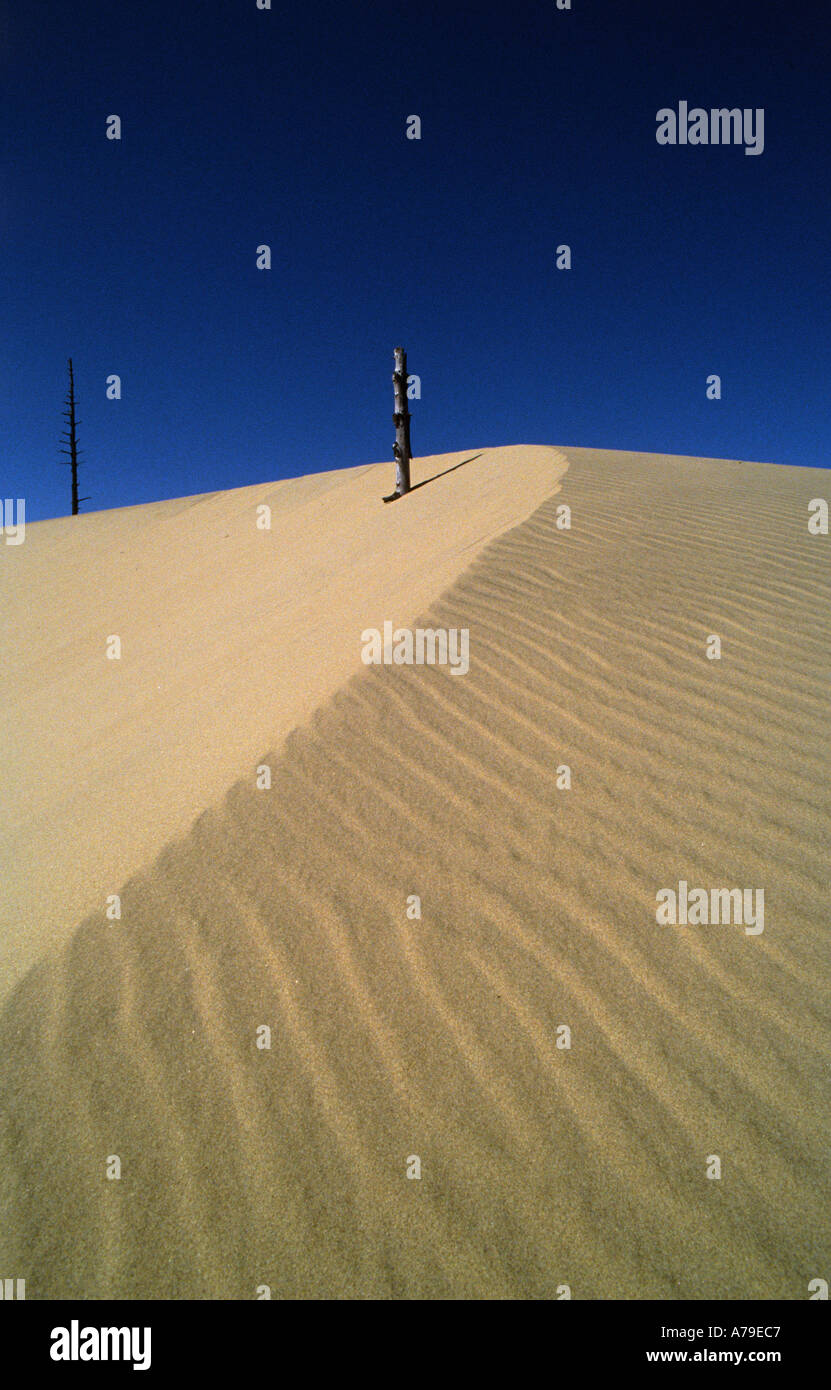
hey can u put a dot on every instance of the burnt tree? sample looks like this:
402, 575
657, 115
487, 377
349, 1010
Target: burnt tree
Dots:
71, 438
401, 420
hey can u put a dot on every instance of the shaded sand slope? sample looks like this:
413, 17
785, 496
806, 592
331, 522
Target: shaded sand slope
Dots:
231, 635
437, 1037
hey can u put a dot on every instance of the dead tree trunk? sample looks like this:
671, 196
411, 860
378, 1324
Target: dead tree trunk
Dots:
401, 420
71, 438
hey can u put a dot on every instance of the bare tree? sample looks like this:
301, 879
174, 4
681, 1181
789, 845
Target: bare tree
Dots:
401, 420
71, 438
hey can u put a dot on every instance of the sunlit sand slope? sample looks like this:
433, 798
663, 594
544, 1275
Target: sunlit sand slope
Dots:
231, 634
394, 1037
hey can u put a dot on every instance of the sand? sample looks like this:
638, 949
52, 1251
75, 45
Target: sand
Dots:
231, 635
435, 1042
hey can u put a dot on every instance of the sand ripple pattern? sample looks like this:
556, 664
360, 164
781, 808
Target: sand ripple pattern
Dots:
541, 1167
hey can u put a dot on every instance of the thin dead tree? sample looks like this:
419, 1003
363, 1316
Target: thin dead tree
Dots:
401, 420
71, 438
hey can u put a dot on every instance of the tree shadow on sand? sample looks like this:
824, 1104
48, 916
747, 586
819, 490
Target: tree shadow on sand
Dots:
393, 497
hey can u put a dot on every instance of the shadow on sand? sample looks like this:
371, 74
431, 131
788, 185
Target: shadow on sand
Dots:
393, 497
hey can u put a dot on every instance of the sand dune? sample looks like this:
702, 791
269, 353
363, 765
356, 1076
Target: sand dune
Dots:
231, 636
394, 1037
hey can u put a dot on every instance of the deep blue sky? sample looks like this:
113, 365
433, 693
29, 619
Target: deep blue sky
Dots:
287, 127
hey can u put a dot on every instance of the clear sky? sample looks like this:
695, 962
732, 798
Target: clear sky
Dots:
287, 127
